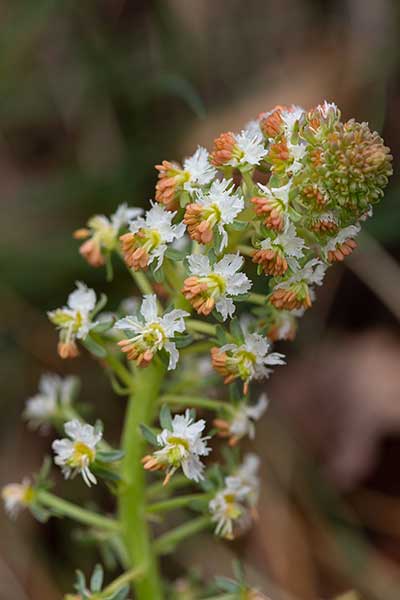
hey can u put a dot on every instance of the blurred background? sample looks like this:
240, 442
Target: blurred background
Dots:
92, 95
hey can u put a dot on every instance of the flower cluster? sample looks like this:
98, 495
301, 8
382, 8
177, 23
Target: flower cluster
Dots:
255, 222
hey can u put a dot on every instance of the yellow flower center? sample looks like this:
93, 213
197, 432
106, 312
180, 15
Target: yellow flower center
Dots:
82, 455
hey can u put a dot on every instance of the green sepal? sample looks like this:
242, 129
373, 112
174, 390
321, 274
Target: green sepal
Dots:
165, 417
148, 435
121, 594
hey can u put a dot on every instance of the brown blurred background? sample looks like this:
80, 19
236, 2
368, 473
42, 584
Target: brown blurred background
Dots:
92, 95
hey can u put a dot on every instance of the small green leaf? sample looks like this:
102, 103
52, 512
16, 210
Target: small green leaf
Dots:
110, 457
80, 584
217, 316
175, 255
96, 581
236, 329
165, 417
102, 326
183, 341
105, 473
148, 435
226, 585
238, 225
121, 594
221, 335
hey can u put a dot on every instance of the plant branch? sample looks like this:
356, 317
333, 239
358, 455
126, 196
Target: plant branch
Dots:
190, 401
67, 509
122, 581
173, 503
200, 327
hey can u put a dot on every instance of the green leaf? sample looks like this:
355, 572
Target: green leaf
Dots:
221, 335
238, 225
121, 594
80, 584
94, 348
227, 585
217, 316
183, 341
110, 457
41, 514
96, 581
175, 255
105, 473
148, 435
165, 417
102, 326
236, 329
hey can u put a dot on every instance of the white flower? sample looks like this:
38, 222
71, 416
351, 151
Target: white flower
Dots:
55, 393
245, 481
152, 333
220, 207
251, 360
281, 194
313, 272
75, 455
250, 149
156, 231
231, 507
17, 496
216, 284
123, 215
245, 416
73, 320
290, 117
182, 446
345, 234
291, 245
199, 170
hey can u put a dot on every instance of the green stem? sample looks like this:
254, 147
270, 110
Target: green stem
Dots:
141, 281
257, 299
173, 503
200, 327
167, 542
132, 500
190, 401
246, 250
118, 368
121, 581
67, 509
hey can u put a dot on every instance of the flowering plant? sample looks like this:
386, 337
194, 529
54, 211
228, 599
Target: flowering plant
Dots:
272, 206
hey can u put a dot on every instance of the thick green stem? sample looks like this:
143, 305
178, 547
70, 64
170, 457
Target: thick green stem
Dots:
67, 509
132, 500
200, 327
